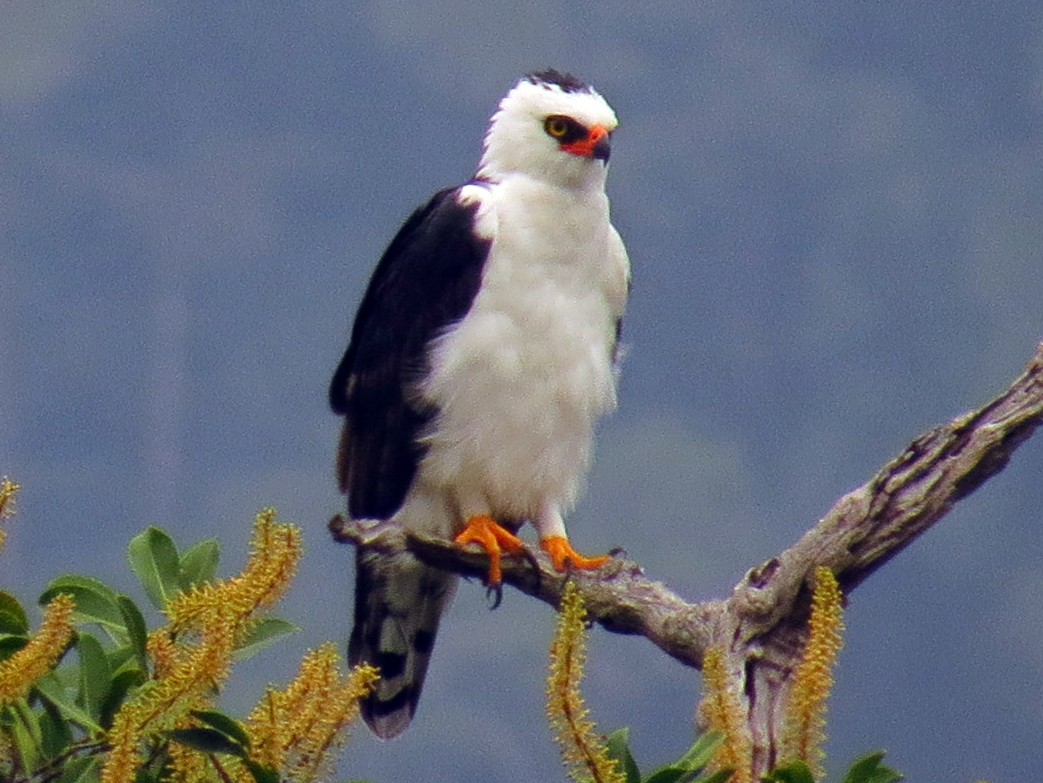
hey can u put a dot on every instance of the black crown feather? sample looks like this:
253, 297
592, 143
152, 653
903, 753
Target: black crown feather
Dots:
564, 81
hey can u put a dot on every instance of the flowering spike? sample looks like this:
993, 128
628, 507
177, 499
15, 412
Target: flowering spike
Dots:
806, 712
164, 702
583, 752
294, 730
275, 555
722, 711
186, 674
8, 493
39, 656
187, 765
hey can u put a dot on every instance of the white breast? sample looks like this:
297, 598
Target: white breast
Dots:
520, 382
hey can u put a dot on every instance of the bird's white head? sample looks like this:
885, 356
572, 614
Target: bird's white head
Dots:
551, 127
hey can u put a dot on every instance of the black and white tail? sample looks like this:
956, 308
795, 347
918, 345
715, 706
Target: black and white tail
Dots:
398, 604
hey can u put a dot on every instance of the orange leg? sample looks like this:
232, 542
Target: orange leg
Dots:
494, 539
562, 555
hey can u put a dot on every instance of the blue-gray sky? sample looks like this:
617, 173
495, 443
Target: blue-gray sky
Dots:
835, 217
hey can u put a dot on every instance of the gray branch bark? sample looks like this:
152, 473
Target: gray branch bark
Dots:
762, 625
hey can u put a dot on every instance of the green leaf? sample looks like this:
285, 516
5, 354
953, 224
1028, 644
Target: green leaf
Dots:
717, 777
122, 658
122, 682
207, 741
95, 674
81, 769
702, 750
50, 688
263, 635
154, 558
688, 767
136, 630
10, 644
12, 616
868, 769
225, 724
261, 774
618, 745
199, 564
54, 729
27, 738
95, 601
667, 774
791, 772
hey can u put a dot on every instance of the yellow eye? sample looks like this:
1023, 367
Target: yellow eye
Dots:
556, 127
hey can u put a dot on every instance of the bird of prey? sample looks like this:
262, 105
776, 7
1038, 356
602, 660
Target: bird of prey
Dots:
481, 356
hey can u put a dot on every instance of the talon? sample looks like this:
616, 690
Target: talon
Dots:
562, 555
530, 558
494, 595
494, 539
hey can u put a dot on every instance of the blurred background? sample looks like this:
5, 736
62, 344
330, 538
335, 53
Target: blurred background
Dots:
834, 213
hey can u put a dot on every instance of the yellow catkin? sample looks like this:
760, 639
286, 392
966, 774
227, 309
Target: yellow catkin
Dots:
583, 751
276, 552
39, 656
296, 730
806, 713
722, 712
268, 738
162, 650
303, 704
186, 671
165, 702
188, 765
313, 755
276, 721
8, 493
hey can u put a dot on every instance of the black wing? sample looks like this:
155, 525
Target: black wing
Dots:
425, 281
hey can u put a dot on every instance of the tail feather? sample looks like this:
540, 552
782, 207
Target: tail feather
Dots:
398, 604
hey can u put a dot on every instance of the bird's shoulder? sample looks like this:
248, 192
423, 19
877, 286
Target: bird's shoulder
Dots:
426, 279
455, 220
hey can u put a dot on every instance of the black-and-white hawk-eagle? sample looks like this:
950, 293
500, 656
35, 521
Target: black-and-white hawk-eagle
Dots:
482, 355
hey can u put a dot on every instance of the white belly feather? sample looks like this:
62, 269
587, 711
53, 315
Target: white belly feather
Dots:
521, 380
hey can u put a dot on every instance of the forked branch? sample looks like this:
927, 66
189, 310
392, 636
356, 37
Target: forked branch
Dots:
761, 625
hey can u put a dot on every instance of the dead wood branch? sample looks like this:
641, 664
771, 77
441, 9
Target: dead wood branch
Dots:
761, 626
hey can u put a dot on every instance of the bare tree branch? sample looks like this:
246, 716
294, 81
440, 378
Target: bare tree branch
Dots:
618, 596
761, 626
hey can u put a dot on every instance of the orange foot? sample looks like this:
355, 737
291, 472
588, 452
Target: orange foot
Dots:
562, 555
494, 539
